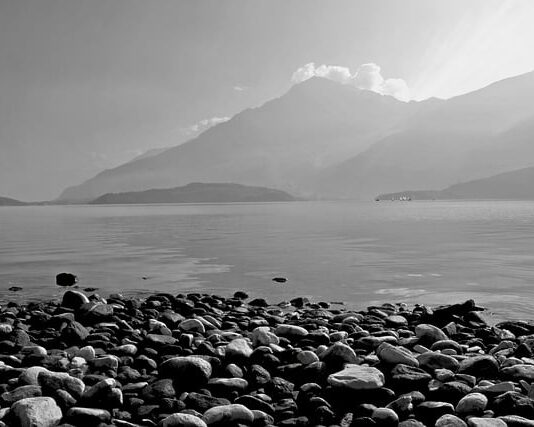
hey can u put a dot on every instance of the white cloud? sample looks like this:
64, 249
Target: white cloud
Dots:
396, 88
334, 72
366, 77
303, 73
238, 88
202, 125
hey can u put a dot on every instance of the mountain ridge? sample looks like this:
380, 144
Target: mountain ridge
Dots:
325, 139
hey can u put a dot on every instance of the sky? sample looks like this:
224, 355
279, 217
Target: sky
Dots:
88, 84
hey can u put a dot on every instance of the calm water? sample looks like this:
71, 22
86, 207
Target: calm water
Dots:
359, 253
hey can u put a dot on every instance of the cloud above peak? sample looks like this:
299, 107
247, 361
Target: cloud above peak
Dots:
366, 77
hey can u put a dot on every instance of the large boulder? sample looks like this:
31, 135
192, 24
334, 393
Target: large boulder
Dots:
37, 412
356, 377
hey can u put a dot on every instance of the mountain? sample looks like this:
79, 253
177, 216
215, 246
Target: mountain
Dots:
281, 144
149, 153
330, 140
198, 193
514, 185
6, 201
472, 136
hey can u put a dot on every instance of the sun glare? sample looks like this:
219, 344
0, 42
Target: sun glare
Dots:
480, 49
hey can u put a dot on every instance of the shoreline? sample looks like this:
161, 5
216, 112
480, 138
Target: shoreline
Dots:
201, 359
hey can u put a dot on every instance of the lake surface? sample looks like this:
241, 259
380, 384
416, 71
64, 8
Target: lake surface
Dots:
359, 253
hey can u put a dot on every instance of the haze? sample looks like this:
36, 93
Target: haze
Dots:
86, 85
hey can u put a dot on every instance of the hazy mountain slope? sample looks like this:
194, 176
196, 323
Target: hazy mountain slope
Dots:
468, 137
280, 144
6, 201
198, 193
514, 185
336, 141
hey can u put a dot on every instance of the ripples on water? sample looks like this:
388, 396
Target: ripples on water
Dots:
360, 253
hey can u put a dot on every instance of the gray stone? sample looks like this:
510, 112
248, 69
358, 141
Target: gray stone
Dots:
182, 420
356, 377
238, 348
472, 404
228, 414
192, 325
449, 420
429, 333
290, 331
37, 412
486, 422
393, 355
191, 371
432, 360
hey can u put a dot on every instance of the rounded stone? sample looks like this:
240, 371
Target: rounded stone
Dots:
385, 417
182, 420
192, 325
472, 404
290, 331
393, 355
228, 414
356, 377
429, 333
37, 412
238, 348
307, 357
189, 370
486, 422
449, 420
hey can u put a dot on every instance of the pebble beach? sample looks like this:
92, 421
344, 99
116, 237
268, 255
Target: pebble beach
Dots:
200, 360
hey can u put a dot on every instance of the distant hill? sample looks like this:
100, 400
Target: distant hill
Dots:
514, 185
198, 193
6, 201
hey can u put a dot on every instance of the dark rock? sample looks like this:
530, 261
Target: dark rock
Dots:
66, 279
158, 390
480, 366
201, 402
74, 299
408, 378
429, 412
513, 403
